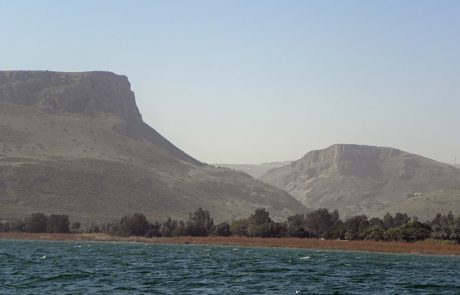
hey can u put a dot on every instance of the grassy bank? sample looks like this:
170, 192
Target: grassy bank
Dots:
423, 247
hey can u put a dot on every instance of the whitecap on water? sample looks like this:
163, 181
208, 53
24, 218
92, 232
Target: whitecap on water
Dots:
305, 258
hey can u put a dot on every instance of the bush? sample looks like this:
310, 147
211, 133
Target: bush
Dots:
134, 225
239, 227
201, 224
411, 232
222, 230
58, 224
36, 223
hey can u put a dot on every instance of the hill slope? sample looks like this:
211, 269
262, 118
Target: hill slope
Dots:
363, 179
254, 170
75, 143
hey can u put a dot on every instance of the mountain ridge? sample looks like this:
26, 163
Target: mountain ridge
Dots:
359, 179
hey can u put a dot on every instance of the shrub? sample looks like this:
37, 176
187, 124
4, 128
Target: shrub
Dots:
58, 224
36, 223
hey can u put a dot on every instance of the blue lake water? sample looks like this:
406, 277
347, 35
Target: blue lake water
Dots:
42, 267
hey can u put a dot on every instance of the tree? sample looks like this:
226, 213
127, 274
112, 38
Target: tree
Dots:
376, 222
134, 225
320, 222
296, 226
411, 232
201, 223
400, 219
168, 228
376, 230
239, 227
58, 224
388, 221
36, 223
356, 227
154, 230
75, 226
260, 224
222, 230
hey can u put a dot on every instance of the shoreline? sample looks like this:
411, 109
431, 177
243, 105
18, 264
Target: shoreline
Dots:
422, 247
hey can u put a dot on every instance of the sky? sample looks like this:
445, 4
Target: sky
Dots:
259, 81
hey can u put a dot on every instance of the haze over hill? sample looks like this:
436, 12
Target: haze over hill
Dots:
369, 180
253, 169
75, 143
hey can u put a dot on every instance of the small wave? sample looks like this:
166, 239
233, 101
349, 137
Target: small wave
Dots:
304, 258
66, 276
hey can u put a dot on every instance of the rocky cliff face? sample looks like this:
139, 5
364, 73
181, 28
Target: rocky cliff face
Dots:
75, 143
361, 179
85, 93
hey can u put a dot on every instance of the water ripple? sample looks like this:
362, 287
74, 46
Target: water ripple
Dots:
117, 268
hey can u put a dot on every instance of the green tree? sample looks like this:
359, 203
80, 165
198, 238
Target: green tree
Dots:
260, 224
168, 228
321, 222
154, 230
58, 224
356, 227
36, 223
400, 219
240, 227
134, 225
201, 223
75, 226
388, 221
411, 232
222, 230
296, 226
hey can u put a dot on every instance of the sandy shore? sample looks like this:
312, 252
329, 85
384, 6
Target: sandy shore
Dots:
423, 247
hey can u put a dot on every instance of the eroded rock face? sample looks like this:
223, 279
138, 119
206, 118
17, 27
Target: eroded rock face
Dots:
86, 93
71, 92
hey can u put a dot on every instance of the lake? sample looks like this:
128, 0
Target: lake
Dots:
39, 267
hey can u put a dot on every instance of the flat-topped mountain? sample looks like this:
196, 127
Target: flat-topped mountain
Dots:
75, 143
360, 179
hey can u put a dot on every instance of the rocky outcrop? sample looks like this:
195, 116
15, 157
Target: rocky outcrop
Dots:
86, 92
360, 179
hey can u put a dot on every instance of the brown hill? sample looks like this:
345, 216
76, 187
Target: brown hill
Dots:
75, 143
255, 170
365, 180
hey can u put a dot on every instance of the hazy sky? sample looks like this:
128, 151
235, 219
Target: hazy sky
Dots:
255, 81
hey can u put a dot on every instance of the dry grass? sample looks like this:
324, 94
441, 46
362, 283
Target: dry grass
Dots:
424, 247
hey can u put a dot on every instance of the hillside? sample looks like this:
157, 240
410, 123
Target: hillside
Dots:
365, 180
254, 170
75, 143
441, 201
